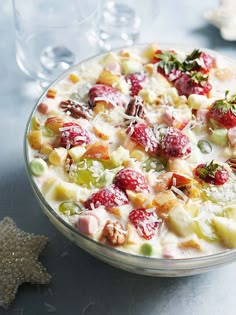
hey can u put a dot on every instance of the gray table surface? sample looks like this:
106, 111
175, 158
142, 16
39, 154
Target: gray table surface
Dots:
81, 284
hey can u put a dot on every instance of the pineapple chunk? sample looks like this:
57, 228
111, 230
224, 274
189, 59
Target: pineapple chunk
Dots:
226, 230
196, 101
180, 222
58, 190
76, 152
58, 156
35, 139
165, 201
97, 151
108, 78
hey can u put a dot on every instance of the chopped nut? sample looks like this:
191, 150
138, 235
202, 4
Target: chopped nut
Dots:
114, 233
51, 93
75, 110
135, 108
232, 164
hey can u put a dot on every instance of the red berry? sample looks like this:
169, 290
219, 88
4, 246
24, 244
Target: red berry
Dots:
108, 94
187, 85
136, 82
73, 134
175, 144
145, 137
129, 179
224, 111
145, 222
111, 196
207, 62
212, 173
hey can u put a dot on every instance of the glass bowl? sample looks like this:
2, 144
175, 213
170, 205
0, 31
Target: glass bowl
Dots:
160, 267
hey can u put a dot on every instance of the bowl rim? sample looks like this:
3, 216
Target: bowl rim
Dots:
171, 264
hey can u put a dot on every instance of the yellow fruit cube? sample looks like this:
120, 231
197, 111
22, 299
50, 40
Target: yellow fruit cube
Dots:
74, 78
35, 139
58, 156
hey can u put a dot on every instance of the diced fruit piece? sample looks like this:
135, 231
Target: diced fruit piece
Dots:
194, 83
232, 136
77, 152
205, 230
119, 156
226, 230
113, 66
146, 249
153, 164
46, 148
139, 155
204, 146
219, 136
42, 108
197, 102
136, 81
35, 124
73, 134
165, 201
107, 94
129, 179
69, 208
139, 199
58, 156
108, 78
180, 180
132, 235
212, 173
38, 166
88, 173
175, 144
145, 222
35, 139
51, 93
179, 166
164, 182
149, 52
144, 136
180, 221
191, 242
59, 190
108, 197
87, 224
101, 130
74, 78
97, 151
54, 124
223, 111
131, 66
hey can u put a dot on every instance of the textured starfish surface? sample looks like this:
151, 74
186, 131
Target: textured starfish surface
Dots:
19, 263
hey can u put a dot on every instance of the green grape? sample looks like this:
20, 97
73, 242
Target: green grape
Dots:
146, 249
69, 208
204, 146
47, 132
205, 230
88, 173
153, 164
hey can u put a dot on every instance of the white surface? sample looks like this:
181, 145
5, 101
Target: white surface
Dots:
82, 285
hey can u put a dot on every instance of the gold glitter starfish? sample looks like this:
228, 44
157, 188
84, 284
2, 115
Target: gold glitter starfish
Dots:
19, 263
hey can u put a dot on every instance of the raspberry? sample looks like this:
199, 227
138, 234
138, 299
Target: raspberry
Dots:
108, 94
73, 134
145, 137
111, 196
145, 222
212, 173
135, 80
175, 144
129, 179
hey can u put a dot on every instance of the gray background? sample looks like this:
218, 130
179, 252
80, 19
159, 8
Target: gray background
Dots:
80, 283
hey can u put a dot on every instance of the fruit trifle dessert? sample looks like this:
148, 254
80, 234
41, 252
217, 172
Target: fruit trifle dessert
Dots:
137, 150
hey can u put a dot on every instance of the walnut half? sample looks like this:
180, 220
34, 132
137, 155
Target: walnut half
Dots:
114, 233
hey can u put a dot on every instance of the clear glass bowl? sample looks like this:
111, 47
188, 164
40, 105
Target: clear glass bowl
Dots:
159, 267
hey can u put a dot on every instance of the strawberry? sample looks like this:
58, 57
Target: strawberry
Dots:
136, 81
175, 144
73, 134
145, 222
145, 137
193, 83
111, 196
167, 64
108, 94
198, 60
129, 179
224, 111
212, 173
